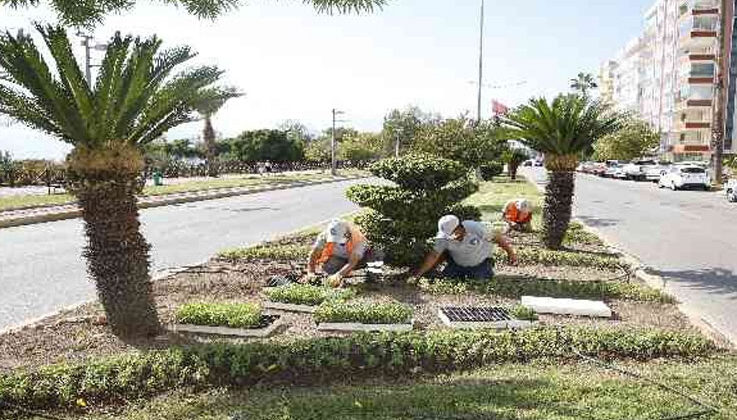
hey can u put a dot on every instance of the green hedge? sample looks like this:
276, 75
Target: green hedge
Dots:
119, 379
267, 252
515, 288
548, 257
233, 315
305, 294
490, 170
417, 172
365, 313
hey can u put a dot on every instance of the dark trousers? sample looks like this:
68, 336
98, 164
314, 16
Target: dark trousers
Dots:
483, 271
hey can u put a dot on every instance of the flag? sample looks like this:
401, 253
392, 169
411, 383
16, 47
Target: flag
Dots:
498, 108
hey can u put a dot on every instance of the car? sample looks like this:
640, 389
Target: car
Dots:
527, 163
731, 190
599, 169
538, 163
637, 170
612, 168
654, 173
685, 176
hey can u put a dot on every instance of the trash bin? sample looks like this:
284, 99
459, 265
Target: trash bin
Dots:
158, 179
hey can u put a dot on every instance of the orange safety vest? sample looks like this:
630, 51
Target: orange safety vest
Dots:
512, 214
329, 250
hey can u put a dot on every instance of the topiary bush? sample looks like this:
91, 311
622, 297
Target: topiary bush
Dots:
490, 170
404, 217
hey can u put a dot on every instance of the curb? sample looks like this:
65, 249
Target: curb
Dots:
160, 201
636, 266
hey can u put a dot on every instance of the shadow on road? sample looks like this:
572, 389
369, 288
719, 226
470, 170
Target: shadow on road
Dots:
598, 221
719, 281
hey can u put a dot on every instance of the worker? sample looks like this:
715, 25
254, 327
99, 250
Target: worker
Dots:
468, 247
339, 250
518, 215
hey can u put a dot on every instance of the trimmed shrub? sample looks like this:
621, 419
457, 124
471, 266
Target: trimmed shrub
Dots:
404, 217
305, 294
266, 252
364, 313
524, 313
490, 170
576, 234
119, 379
517, 287
233, 315
533, 256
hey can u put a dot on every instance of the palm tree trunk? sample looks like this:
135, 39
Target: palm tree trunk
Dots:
117, 253
557, 207
208, 135
513, 167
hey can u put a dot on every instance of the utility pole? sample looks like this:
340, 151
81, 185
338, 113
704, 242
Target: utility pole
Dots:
87, 60
396, 146
481, 62
719, 105
334, 163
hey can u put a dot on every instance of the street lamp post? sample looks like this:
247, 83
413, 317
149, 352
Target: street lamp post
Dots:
481, 62
87, 56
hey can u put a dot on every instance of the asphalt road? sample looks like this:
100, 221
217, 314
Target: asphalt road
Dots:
41, 270
687, 237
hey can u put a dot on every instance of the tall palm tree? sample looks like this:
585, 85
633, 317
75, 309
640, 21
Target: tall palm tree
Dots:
134, 100
560, 129
210, 103
583, 83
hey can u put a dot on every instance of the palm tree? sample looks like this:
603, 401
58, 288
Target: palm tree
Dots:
514, 158
134, 100
583, 83
560, 129
211, 102
89, 13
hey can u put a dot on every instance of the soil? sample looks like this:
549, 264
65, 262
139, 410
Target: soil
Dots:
80, 333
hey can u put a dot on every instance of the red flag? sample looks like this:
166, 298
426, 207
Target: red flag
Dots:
498, 108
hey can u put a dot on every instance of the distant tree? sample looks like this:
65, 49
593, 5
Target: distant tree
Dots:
514, 157
362, 147
583, 83
461, 139
318, 150
88, 13
296, 130
210, 103
633, 140
263, 145
404, 124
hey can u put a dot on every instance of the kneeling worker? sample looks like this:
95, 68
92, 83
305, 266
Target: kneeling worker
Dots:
518, 215
339, 250
469, 249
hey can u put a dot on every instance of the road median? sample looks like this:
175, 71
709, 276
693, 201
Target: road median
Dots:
21, 217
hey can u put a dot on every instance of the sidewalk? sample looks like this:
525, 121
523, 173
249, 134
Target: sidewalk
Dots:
10, 218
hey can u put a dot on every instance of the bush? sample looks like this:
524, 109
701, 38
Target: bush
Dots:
364, 313
547, 257
267, 252
490, 170
233, 315
516, 287
119, 379
577, 235
405, 216
305, 294
524, 313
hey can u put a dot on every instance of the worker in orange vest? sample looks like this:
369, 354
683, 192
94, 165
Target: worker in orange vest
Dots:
339, 250
518, 215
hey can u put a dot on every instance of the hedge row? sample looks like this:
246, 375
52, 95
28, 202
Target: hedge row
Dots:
119, 379
363, 312
267, 252
541, 256
517, 287
305, 294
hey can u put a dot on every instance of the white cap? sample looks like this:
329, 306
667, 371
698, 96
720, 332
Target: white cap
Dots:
446, 226
337, 231
523, 205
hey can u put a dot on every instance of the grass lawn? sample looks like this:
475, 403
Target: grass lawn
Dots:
244, 181
493, 195
512, 391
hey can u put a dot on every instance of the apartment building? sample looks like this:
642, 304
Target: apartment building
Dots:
668, 76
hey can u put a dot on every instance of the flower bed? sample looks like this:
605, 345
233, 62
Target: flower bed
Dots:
303, 297
230, 319
363, 316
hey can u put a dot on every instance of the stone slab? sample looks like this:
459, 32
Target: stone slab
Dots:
546, 305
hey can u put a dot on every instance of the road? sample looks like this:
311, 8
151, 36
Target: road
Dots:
41, 270
687, 237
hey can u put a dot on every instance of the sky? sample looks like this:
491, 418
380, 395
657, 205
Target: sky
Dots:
293, 63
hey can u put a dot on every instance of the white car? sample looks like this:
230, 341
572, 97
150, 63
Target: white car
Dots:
637, 170
654, 173
685, 176
731, 190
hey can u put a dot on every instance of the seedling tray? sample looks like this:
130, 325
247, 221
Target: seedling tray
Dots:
271, 324
289, 307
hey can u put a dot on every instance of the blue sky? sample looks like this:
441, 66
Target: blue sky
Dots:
295, 64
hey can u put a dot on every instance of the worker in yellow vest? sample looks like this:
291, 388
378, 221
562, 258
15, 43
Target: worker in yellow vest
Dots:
339, 250
518, 215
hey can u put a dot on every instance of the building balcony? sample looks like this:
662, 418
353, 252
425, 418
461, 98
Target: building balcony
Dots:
693, 103
698, 31
684, 126
690, 148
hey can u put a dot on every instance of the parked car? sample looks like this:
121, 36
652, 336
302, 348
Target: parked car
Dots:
654, 173
685, 176
599, 168
613, 167
538, 163
637, 170
731, 190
